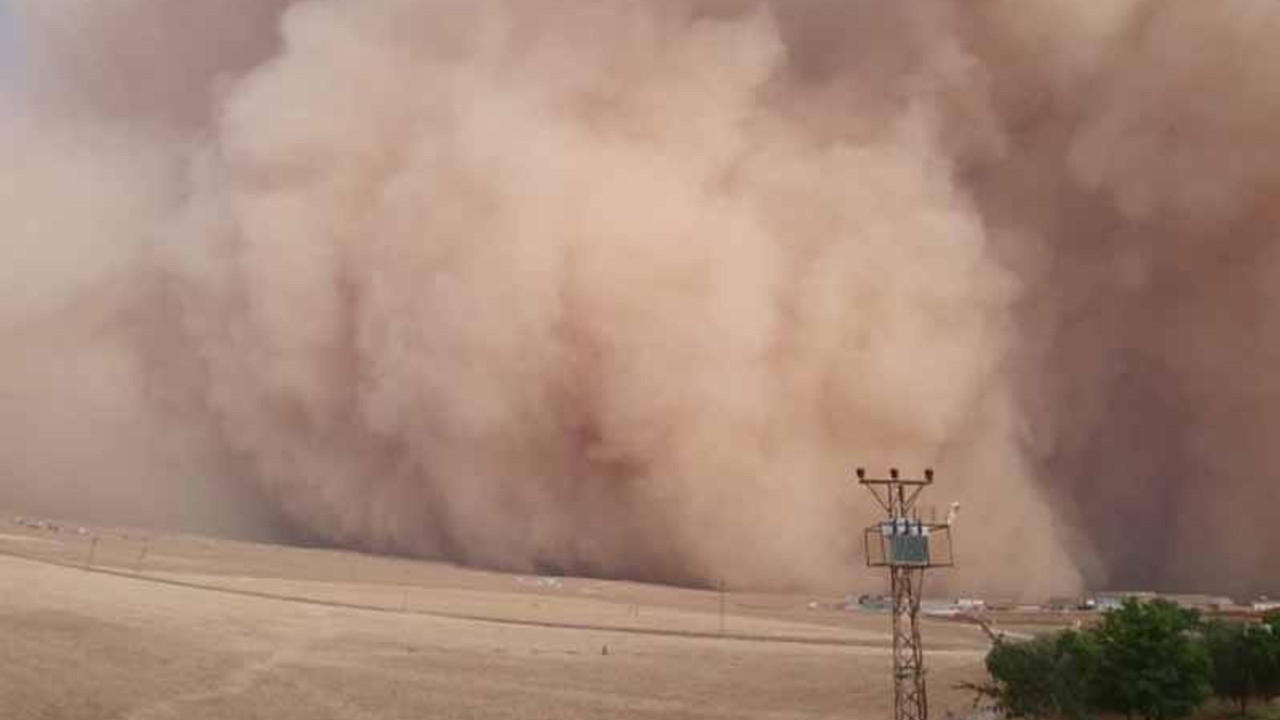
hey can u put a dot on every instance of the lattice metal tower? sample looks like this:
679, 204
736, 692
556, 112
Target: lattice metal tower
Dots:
907, 546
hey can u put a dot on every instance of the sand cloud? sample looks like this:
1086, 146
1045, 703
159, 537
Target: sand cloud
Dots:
628, 288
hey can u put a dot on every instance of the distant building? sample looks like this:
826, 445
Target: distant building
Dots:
1203, 603
1064, 603
939, 608
1107, 601
1265, 604
875, 603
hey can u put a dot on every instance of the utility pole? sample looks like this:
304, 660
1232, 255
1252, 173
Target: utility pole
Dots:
907, 546
142, 555
93, 550
720, 587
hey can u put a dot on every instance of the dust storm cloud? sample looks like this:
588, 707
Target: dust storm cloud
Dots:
627, 288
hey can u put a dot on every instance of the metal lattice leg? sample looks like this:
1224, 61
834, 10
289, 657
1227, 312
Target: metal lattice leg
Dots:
910, 702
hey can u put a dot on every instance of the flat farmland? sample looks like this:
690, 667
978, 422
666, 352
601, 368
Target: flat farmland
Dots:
145, 626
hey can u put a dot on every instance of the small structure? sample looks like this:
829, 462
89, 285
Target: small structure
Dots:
1107, 601
874, 603
939, 608
1203, 603
1265, 604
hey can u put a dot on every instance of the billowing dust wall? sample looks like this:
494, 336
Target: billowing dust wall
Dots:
627, 288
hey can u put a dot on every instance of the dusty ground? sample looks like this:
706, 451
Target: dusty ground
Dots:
169, 626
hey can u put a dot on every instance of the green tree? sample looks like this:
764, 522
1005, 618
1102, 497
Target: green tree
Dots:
1150, 663
1245, 660
1271, 684
1050, 676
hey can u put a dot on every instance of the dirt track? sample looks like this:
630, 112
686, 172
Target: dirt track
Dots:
104, 645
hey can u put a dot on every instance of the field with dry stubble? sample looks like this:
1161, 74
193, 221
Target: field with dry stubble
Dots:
173, 626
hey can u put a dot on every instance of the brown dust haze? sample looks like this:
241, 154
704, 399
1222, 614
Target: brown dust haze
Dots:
628, 288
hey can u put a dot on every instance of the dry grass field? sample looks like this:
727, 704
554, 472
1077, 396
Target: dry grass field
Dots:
181, 627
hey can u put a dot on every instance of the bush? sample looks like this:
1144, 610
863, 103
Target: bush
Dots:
1150, 662
1246, 661
1144, 660
1050, 676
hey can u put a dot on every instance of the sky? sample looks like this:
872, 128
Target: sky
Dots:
6, 35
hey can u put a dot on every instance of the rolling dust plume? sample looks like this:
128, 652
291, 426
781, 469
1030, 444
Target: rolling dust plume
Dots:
626, 288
